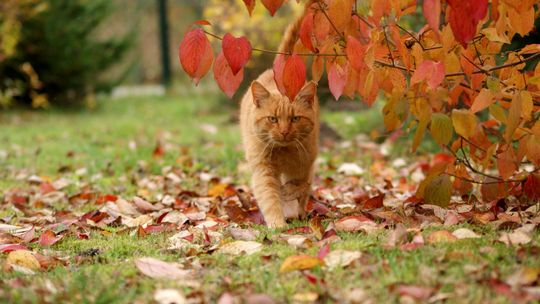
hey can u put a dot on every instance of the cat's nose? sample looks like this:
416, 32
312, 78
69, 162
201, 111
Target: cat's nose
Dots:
284, 133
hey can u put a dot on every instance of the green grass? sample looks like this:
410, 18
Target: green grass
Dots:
57, 143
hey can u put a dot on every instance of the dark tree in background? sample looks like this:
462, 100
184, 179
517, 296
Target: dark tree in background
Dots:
62, 52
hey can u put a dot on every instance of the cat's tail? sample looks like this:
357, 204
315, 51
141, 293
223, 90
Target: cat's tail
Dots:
293, 31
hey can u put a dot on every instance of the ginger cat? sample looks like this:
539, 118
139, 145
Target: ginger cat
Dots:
280, 139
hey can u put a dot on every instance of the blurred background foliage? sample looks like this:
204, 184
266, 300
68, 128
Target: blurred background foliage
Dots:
56, 51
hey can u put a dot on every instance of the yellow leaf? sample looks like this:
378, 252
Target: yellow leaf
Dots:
492, 35
424, 118
23, 258
533, 149
526, 104
483, 100
299, 262
498, 113
439, 191
464, 122
514, 117
217, 190
441, 128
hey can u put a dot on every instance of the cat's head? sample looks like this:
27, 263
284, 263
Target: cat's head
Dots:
280, 121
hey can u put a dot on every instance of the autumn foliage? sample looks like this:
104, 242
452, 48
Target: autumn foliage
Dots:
453, 80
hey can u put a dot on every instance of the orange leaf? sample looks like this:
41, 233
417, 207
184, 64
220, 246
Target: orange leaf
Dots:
483, 100
464, 122
294, 76
374, 202
299, 262
237, 51
226, 80
506, 162
272, 5
196, 54
339, 11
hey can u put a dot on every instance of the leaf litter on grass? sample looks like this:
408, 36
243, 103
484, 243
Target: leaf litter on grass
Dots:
206, 215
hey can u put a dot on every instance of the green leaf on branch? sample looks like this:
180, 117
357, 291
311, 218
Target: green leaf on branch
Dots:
441, 128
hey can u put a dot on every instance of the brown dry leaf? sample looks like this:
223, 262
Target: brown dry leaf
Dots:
157, 269
441, 236
415, 291
299, 262
23, 258
341, 258
240, 248
244, 234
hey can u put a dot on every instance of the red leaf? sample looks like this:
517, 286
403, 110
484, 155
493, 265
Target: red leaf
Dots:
337, 79
355, 53
237, 51
532, 186
202, 22
294, 76
430, 71
48, 238
272, 5
464, 18
227, 81
158, 151
250, 4
196, 54
279, 65
374, 202
306, 32
432, 13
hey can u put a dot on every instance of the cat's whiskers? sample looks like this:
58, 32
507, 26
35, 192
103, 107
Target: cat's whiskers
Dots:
301, 145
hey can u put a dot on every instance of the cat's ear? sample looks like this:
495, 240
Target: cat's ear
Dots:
307, 93
260, 93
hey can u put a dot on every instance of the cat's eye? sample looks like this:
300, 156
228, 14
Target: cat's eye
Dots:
272, 119
295, 118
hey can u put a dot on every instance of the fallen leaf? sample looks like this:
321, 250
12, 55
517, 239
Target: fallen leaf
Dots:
23, 258
169, 296
515, 238
441, 236
157, 269
299, 262
48, 238
341, 258
464, 233
241, 248
524, 276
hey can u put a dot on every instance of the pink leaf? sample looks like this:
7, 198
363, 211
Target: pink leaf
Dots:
337, 79
432, 13
355, 53
323, 252
430, 71
237, 51
226, 80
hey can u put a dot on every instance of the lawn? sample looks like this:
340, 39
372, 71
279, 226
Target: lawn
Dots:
164, 178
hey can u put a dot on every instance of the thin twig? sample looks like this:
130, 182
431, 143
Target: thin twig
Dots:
417, 40
330, 20
388, 46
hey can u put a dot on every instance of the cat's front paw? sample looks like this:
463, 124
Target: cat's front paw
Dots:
276, 222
